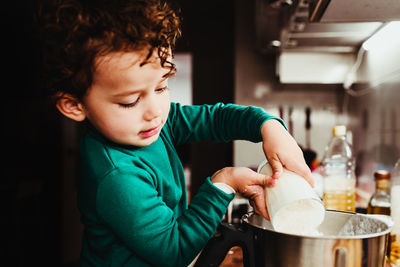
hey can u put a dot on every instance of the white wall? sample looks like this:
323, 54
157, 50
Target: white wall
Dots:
180, 85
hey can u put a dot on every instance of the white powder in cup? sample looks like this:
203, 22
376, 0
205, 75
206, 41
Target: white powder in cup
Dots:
301, 217
293, 205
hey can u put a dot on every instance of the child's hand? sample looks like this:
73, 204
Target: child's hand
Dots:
250, 184
281, 150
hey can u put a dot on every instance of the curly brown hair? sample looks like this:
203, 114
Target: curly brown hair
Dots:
74, 32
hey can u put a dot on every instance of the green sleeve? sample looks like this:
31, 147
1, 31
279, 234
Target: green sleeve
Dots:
219, 122
130, 204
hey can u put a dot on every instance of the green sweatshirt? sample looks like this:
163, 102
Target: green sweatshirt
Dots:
133, 199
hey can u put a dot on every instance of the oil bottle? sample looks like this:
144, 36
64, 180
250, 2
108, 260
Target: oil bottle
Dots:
380, 200
339, 183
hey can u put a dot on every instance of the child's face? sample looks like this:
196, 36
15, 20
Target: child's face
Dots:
128, 103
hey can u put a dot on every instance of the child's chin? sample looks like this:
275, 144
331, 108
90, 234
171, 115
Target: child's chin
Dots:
148, 141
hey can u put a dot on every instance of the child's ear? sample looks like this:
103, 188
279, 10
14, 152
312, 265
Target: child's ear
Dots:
71, 107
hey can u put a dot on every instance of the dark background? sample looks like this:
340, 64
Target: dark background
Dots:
32, 130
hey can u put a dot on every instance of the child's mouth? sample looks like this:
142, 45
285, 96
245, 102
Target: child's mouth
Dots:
150, 132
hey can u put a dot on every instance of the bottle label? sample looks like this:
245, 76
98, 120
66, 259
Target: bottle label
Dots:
382, 183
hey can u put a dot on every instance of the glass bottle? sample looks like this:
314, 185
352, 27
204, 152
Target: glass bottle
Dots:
380, 200
339, 186
395, 213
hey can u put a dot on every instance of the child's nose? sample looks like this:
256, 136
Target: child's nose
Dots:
153, 109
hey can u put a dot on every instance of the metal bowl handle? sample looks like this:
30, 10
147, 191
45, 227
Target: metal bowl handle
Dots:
226, 237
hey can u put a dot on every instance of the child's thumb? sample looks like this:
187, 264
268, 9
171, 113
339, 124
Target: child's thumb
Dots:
276, 167
265, 180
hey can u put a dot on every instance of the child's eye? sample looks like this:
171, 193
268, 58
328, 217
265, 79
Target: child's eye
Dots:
162, 89
129, 105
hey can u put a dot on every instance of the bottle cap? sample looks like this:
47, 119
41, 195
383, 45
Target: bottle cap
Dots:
339, 130
381, 174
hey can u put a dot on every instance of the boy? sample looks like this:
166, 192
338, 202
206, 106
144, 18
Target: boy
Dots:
109, 63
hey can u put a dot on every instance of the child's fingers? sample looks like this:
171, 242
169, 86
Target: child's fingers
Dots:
259, 205
257, 193
302, 169
267, 180
263, 180
276, 166
305, 172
